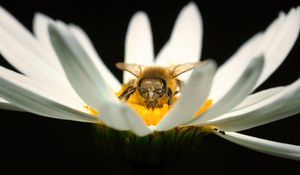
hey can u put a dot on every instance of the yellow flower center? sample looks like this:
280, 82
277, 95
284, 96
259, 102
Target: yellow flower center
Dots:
151, 116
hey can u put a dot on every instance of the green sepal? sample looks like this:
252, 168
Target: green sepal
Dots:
154, 149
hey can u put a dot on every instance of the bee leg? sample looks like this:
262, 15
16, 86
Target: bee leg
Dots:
126, 94
169, 95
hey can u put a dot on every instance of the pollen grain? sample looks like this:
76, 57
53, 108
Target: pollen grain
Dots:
91, 110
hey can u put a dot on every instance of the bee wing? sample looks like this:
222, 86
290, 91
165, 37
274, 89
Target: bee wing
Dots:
176, 70
134, 69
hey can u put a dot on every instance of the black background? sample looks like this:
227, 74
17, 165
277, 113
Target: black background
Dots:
37, 145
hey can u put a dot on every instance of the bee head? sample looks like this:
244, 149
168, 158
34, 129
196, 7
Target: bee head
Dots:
152, 88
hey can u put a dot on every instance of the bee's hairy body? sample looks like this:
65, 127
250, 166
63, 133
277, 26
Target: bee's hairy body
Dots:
153, 86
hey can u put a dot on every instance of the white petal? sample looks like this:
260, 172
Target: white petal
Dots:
230, 71
8, 106
17, 32
120, 117
15, 29
257, 97
275, 43
24, 52
265, 146
240, 90
193, 95
24, 60
23, 96
79, 68
281, 105
28, 63
34, 67
40, 29
277, 46
89, 83
88, 46
39, 88
185, 43
33, 97
139, 43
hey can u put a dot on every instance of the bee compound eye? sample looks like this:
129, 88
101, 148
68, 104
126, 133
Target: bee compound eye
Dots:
158, 91
143, 91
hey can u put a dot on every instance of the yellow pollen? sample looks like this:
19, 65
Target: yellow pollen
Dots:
153, 116
203, 108
150, 116
91, 110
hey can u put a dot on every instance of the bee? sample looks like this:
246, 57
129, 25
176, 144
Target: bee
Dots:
154, 86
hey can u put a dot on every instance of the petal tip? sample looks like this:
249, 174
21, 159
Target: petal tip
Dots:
191, 8
39, 18
38, 15
140, 16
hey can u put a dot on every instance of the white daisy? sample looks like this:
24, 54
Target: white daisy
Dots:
64, 78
